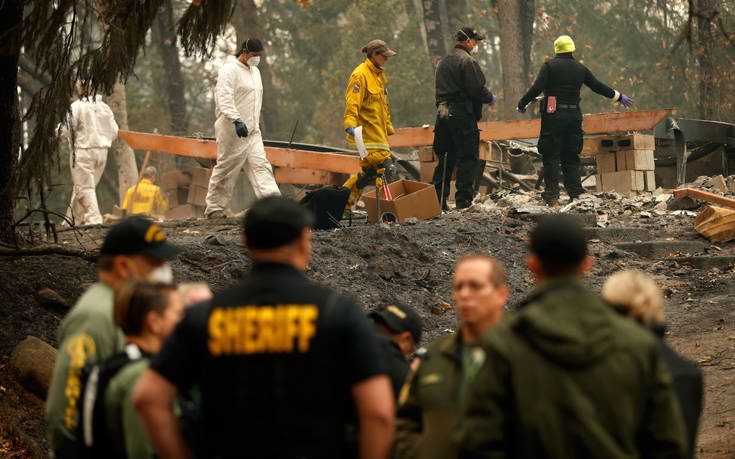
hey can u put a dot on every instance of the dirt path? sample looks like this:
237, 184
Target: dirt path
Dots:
409, 263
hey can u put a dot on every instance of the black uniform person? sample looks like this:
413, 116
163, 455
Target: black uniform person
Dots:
282, 363
398, 329
460, 93
560, 79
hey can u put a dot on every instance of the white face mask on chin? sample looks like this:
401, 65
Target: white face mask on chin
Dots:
254, 61
475, 49
162, 274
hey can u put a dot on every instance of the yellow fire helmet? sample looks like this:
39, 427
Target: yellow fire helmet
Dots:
564, 44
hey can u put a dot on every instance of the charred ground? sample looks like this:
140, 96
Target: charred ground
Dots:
410, 263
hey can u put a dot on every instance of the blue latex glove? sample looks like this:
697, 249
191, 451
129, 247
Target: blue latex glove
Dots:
350, 131
521, 109
626, 101
495, 99
240, 128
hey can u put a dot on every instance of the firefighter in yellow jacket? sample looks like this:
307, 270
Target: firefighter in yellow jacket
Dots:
366, 101
148, 198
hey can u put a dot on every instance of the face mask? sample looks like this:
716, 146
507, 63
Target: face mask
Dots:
162, 274
475, 49
254, 61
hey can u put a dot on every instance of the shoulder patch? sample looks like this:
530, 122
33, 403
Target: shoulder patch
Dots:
432, 378
356, 88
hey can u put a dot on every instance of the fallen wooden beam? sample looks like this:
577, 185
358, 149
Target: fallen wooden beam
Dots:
304, 176
600, 123
716, 224
279, 157
705, 196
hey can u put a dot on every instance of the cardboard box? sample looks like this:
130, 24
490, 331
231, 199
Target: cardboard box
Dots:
410, 199
426, 171
426, 154
623, 181
197, 195
200, 176
635, 160
606, 162
649, 179
175, 179
184, 212
633, 141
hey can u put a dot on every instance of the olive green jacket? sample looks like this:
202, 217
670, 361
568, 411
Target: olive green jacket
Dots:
567, 377
428, 403
86, 335
125, 427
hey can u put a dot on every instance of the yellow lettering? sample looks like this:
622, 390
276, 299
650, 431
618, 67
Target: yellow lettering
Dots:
266, 341
216, 328
307, 329
262, 329
250, 330
232, 332
292, 326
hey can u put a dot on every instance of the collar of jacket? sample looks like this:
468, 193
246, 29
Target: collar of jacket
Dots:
557, 283
452, 346
373, 68
462, 48
565, 56
145, 180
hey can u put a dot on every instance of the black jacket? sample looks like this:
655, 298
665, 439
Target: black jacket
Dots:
563, 77
395, 361
687, 378
460, 80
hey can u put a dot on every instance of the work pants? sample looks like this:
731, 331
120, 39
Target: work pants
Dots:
367, 176
86, 172
560, 141
234, 153
456, 136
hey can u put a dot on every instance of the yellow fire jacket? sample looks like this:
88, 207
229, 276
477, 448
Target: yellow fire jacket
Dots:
148, 199
366, 105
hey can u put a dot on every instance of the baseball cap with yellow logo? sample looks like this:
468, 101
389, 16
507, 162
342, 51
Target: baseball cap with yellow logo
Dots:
137, 235
399, 318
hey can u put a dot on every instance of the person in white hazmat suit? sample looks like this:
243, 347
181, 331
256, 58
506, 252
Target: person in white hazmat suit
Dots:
90, 128
238, 99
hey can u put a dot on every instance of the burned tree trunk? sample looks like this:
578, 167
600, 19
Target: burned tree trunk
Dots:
11, 14
127, 169
435, 39
515, 48
707, 56
164, 37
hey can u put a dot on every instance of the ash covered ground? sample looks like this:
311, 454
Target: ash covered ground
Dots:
412, 262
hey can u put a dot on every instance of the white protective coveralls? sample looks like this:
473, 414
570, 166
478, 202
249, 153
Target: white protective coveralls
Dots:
239, 94
90, 128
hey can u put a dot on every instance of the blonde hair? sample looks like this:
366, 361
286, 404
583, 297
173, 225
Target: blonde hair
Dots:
636, 294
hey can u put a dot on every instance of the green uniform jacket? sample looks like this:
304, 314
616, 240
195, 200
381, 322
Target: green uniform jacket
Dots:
123, 423
428, 403
568, 377
86, 335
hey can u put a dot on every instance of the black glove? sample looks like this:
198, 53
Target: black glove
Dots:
240, 128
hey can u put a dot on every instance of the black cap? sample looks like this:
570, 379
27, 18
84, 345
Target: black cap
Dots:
559, 240
399, 318
466, 33
274, 222
251, 45
137, 235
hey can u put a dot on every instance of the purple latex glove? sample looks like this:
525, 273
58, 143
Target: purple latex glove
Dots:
626, 101
351, 131
494, 99
521, 109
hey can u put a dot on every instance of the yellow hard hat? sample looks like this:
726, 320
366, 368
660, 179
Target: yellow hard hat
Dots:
564, 44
